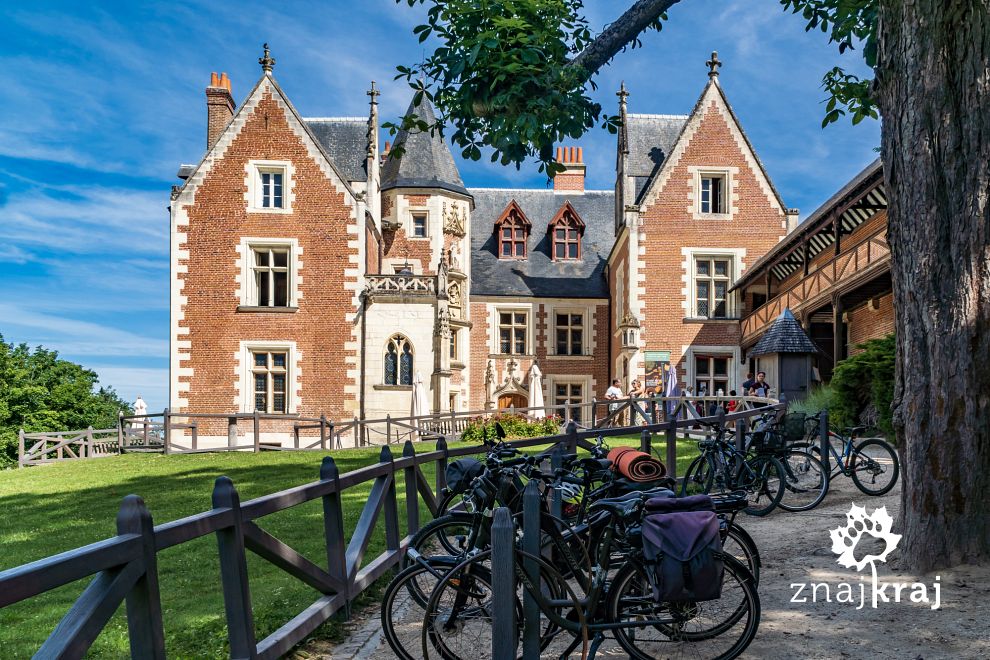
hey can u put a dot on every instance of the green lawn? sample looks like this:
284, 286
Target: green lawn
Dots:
50, 509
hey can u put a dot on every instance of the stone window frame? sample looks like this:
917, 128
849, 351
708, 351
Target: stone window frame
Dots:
733, 352
247, 289
413, 215
736, 258
729, 175
253, 171
401, 342
554, 380
245, 372
551, 324
496, 324
712, 279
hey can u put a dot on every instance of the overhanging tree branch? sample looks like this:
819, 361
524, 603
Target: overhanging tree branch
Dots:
619, 34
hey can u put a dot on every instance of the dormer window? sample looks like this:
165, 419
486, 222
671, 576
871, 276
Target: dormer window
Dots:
512, 229
566, 230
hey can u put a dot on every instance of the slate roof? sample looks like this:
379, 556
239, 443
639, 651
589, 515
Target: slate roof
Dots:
650, 138
538, 275
785, 336
426, 162
345, 139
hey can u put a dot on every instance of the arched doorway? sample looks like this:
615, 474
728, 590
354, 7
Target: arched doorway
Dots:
512, 401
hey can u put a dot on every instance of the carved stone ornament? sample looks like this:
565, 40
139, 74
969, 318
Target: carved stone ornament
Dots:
454, 219
454, 294
442, 328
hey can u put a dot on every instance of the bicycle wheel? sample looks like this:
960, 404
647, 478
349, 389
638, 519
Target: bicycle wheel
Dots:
737, 542
458, 621
443, 536
404, 603
715, 629
765, 485
699, 476
805, 481
874, 466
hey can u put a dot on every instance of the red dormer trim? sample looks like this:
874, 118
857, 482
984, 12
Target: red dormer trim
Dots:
565, 232
512, 230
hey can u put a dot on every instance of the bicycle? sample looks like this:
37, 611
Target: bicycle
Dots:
617, 599
723, 468
872, 463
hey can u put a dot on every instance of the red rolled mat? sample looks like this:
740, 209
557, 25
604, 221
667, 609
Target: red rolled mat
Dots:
636, 465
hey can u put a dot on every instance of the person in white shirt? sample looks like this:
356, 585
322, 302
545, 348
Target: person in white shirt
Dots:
613, 393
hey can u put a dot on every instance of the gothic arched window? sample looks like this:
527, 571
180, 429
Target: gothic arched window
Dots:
398, 361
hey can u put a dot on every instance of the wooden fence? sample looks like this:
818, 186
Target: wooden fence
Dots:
170, 432
125, 567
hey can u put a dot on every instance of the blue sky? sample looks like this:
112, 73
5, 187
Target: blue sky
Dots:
103, 100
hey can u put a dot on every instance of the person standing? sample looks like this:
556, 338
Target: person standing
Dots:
613, 393
760, 386
636, 392
748, 383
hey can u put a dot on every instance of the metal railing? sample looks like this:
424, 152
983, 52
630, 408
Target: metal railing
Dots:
125, 567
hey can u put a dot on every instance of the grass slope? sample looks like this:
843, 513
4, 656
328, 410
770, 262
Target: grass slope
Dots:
51, 509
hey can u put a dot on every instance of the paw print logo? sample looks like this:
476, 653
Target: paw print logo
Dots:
877, 525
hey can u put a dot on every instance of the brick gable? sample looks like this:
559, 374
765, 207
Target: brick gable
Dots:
211, 219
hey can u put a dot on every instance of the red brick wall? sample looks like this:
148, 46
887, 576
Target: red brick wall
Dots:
569, 181
371, 262
668, 224
480, 340
865, 324
619, 263
217, 221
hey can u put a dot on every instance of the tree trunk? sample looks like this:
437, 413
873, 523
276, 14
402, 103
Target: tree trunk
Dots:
933, 87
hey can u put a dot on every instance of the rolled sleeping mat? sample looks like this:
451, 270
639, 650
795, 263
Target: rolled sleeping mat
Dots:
636, 465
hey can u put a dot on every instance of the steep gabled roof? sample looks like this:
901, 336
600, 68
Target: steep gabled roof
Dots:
712, 92
425, 161
346, 140
218, 149
785, 336
650, 139
538, 275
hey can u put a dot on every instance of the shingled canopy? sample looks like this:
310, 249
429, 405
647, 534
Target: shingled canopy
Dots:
785, 336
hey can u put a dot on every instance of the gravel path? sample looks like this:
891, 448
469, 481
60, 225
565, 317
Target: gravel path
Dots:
796, 548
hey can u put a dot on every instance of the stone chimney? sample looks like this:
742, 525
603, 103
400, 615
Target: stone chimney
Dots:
219, 107
792, 216
572, 178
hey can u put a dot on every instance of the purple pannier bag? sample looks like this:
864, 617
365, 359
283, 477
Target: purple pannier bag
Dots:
683, 549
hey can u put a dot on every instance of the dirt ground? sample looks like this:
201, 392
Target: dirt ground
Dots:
796, 548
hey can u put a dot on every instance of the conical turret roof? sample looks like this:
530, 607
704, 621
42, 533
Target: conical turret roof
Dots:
425, 160
785, 336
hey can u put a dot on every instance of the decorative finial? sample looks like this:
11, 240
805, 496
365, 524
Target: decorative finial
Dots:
267, 62
373, 93
713, 65
623, 94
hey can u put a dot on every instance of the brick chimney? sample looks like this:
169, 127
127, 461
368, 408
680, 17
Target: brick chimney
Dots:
219, 107
572, 178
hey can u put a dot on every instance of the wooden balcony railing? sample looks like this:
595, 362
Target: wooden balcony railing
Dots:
870, 254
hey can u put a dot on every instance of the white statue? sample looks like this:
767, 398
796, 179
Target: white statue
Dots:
140, 409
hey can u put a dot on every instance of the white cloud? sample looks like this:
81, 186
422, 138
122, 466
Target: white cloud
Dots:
129, 382
75, 337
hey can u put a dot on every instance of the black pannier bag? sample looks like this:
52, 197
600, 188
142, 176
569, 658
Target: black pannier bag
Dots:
461, 473
682, 548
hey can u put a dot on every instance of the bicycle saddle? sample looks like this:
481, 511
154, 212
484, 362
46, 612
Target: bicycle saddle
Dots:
853, 430
623, 505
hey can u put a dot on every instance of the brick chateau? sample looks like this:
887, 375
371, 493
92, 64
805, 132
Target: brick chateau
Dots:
313, 274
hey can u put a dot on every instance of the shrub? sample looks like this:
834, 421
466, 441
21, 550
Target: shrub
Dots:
820, 397
863, 387
516, 426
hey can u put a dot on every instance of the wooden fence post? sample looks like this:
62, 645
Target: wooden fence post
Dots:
505, 635
441, 469
194, 435
20, 447
531, 544
233, 573
390, 507
120, 431
388, 429
412, 492
572, 436
556, 462
144, 606
166, 431
232, 431
672, 447
323, 432
645, 441
741, 434
257, 431
333, 529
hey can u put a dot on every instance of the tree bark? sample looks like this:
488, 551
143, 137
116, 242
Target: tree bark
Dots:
933, 89
618, 35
